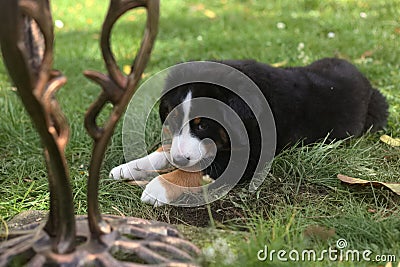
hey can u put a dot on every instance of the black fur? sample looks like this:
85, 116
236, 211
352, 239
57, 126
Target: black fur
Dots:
329, 96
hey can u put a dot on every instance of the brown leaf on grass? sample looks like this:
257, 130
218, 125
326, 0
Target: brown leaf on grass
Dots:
127, 69
395, 187
28, 179
318, 232
141, 11
198, 7
279, 64
390, 140
210, 14
207, 12
367, 53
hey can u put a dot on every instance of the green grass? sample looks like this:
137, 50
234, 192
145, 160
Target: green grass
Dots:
301, 189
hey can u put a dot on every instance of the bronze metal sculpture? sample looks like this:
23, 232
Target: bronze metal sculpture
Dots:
66, 239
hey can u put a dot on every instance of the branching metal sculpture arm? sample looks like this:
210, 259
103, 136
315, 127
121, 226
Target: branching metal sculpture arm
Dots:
66, 239
37, 88
118, 90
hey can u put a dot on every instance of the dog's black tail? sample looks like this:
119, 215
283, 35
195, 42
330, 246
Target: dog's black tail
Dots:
377, 112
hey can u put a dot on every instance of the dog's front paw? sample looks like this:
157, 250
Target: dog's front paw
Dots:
155, 193
171, 186
125, 171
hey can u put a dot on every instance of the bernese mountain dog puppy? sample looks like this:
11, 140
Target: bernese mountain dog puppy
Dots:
329, 97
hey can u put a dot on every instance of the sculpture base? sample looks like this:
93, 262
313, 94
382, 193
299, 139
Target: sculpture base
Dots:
131, 242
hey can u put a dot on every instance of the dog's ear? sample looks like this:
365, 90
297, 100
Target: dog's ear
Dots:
248, 111
163, 110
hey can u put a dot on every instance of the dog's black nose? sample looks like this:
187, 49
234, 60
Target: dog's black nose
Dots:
181, 161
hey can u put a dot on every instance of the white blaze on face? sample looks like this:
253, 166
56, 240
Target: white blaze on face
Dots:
186, 149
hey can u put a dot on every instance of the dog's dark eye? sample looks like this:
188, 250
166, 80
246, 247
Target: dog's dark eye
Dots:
202, 126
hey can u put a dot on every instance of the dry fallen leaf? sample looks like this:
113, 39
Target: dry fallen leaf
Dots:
209, 14
198, 7
279, 64
367, 53
127, 69
395, 187
141, 11
132, 18
28, 179
390, 140
318, 232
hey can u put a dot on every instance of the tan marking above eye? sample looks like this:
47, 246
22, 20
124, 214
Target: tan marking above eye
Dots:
196, 121
223, 135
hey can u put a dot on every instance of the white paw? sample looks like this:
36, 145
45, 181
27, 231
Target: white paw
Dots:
124, 171
155, 193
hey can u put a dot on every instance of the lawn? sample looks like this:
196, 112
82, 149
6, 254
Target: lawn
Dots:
301, 204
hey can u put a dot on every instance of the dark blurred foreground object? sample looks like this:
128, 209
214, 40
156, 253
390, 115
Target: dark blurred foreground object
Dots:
26, 38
